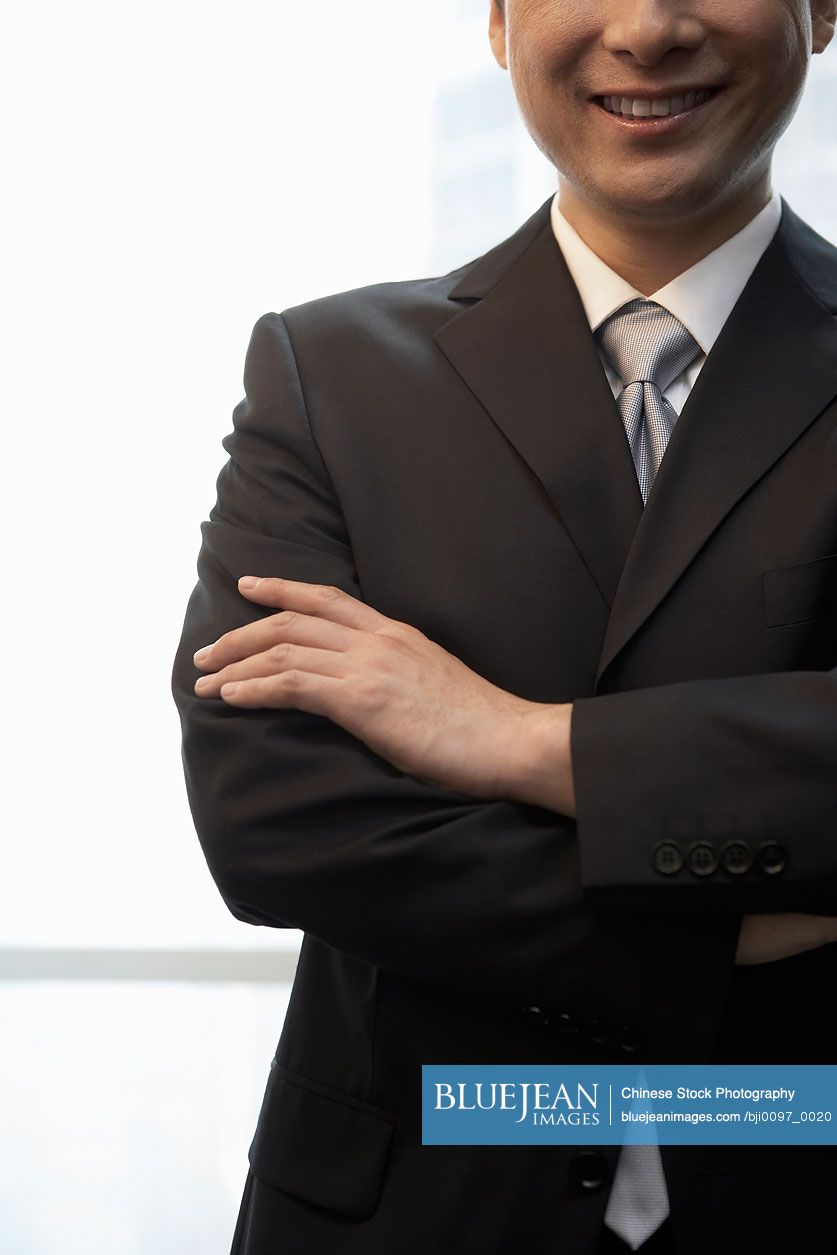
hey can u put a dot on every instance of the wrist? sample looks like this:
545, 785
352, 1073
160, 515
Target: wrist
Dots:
543, 774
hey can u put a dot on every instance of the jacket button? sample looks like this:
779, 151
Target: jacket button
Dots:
630, 1040
599, 1031
772, 857
702, 859
587, 1171
566, 1023
736, 857
666, 858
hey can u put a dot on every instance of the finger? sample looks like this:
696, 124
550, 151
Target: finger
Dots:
281, 657
255, 638
318, 599
302, 690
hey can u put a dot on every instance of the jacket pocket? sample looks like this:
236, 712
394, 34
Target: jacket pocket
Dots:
320, 1144
800, 593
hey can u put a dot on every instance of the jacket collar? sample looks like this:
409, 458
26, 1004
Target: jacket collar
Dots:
523, 346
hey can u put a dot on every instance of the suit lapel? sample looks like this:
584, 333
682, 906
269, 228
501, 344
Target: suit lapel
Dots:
772, 370
525, 350
523, 346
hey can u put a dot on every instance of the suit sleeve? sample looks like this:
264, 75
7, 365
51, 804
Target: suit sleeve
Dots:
715, 794
303, 826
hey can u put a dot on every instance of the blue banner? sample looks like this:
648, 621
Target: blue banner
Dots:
615, 1104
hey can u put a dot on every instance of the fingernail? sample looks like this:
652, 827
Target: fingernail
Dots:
203, 681
249, 581
202, 654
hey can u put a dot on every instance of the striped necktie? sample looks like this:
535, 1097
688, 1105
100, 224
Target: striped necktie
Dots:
648, 348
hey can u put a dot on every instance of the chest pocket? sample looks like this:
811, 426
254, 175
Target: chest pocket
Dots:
320, 1144
801, 593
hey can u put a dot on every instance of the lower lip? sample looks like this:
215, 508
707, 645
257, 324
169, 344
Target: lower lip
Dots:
650, 126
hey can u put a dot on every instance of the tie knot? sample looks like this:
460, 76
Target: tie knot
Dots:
644, 342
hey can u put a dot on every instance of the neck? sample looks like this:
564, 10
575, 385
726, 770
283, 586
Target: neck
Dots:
649, 252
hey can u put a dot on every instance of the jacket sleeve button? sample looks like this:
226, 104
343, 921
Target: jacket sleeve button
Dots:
736, 857
772, 857
666, 858
702, 859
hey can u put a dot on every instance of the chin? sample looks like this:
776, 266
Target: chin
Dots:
660, 197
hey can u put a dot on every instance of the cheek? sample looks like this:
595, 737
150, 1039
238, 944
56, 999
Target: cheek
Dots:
770, 37
775, 68
546, 43
766, 45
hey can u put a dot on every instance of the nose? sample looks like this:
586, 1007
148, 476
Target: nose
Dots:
648, 29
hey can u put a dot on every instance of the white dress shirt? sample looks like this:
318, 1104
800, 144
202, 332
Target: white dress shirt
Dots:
701, 297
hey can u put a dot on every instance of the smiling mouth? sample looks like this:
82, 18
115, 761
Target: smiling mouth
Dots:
649, 109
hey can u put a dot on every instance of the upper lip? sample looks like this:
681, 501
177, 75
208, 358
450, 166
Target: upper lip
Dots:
656, 93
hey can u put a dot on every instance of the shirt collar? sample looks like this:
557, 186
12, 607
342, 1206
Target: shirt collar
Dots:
702, 297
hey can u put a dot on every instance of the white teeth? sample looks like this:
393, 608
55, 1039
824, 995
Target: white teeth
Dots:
643, 107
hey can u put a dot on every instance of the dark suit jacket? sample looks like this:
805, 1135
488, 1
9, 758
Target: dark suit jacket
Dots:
449, 450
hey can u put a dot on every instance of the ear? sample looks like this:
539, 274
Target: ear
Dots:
497, 32
823, 18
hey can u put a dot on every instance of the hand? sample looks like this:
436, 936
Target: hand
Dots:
382, 680
765, 938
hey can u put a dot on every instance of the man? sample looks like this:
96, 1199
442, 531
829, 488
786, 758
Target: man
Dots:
530, 728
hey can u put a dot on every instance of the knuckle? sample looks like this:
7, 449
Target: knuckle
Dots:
286, 618
401, 631
392, 639
389, 649
328, 592
280, 651
292, 679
